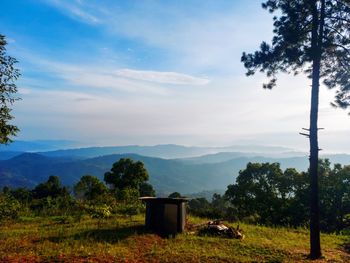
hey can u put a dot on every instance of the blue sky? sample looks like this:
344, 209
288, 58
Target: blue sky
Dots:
154, 71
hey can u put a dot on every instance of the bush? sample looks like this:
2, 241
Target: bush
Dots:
99, 212
63, 205
9, 207
130, 209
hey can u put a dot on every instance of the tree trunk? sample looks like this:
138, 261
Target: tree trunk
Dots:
316, 46
315, 245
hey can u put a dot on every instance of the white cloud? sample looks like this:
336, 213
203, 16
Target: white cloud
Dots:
104, 78
161, 77
107, 77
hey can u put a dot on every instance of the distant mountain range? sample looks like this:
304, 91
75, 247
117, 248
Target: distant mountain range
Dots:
167, 151
206, 173
171, 167
37, 145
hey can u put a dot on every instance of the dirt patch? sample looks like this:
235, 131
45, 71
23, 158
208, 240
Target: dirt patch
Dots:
142, 248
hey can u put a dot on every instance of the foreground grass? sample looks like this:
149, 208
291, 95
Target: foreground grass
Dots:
120, 240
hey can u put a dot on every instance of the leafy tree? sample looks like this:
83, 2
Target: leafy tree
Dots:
22, 194
130, 203
128, 195
175, 195
52, 188
298, 210
310, 36
200, 207
220, 206
8, 75
334, 195
260, 191
19, 196
126, 173
146, 189
49, 206
89, 188
263, 194
129, 181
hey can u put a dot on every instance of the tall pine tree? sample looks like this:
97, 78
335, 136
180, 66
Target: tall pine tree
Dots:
310, 36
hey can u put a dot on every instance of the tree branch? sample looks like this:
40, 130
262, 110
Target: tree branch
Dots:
335, 30
346, 49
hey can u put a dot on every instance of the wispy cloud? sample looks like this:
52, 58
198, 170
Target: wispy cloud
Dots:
133, 68
129, 81
75, 9
161, 77
197, 37
107, 77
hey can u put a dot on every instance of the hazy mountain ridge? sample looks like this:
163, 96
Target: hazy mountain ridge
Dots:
37, 145
185, 175
5, 155
167, 151
166, 175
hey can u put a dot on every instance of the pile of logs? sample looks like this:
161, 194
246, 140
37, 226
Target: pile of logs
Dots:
217, 228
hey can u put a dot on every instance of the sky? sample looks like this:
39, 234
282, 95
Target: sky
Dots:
117, 72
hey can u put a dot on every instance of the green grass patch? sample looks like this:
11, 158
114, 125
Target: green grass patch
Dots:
119, 239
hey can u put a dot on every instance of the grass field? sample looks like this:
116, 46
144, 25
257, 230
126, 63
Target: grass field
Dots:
118, 239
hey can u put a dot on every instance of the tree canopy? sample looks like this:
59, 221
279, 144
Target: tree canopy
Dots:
265, 194
51, 188
129, 174
146, 189
175, 195
292, 49
8, 75
89, 188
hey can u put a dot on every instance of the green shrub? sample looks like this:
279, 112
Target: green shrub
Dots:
48, 206
99, 212
9, 207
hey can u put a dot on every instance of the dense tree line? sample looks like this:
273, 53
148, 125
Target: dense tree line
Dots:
265, 194
125, 183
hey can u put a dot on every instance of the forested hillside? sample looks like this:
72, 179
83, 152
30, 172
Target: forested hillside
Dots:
210, 172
